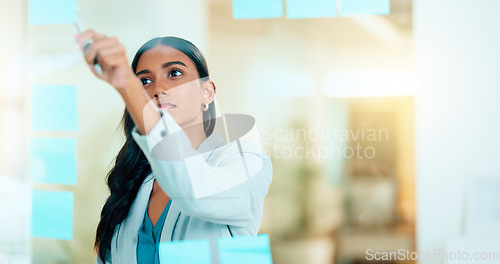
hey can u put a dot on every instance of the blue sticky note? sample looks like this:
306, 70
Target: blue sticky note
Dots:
53, 160
53, 108
52, 214
310, 8
246, 9
365, 7
245, 249
50, 12
185, 251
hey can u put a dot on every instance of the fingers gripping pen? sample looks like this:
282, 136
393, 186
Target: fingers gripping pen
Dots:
79, 26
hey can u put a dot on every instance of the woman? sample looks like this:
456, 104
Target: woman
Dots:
174, 178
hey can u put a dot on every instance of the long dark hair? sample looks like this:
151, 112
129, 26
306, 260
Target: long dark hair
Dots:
132, 167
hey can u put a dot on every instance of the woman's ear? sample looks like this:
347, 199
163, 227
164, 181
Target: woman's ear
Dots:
208, 91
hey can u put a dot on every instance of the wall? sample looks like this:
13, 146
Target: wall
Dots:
456, 131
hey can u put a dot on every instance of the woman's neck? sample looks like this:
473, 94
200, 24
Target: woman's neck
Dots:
196, 134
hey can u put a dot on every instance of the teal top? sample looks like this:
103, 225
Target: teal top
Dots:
148, 244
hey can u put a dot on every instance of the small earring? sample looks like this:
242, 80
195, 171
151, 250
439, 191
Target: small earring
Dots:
204, 106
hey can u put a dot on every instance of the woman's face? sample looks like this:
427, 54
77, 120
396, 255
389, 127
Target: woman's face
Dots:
171, 79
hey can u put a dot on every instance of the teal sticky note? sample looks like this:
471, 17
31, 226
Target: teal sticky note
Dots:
310, 8
53, 108
248, 9
50, 12
52, 214
53, 160
185, 251
245, 249
365, 7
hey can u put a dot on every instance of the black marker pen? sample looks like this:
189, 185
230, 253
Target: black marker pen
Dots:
79, 27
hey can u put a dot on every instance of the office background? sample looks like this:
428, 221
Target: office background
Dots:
381, 127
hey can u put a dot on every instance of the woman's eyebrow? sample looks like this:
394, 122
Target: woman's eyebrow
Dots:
163, 66
168, 64
142, 72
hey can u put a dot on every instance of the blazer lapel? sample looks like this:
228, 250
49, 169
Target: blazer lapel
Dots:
170, 221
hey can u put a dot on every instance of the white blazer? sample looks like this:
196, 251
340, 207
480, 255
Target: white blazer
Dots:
217, 190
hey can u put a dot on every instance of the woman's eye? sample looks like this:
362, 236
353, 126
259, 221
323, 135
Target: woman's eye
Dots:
145, 81
175, 73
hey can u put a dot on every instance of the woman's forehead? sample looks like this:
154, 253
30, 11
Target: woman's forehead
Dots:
161, 54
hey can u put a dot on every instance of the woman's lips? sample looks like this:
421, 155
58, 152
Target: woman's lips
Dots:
166, 105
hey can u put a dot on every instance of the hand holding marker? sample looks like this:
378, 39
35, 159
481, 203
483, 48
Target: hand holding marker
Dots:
107, 59
79, 27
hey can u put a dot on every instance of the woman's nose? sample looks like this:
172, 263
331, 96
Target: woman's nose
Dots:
161, 93
161, 88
